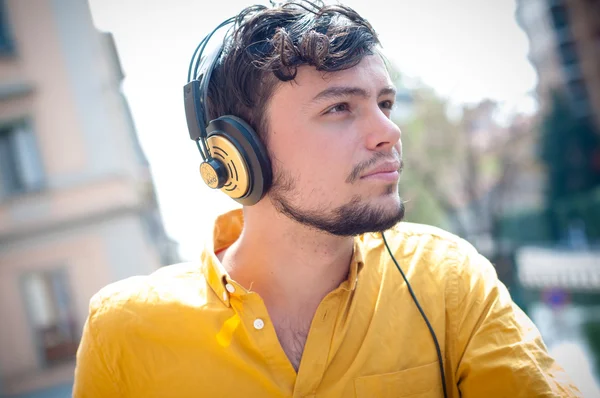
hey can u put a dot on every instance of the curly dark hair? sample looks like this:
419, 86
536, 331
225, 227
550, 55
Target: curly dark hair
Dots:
268, 44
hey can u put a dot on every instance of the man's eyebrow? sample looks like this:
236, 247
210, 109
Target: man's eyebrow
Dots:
344, 91
389, 90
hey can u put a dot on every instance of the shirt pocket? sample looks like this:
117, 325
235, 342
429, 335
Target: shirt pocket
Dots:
420, 382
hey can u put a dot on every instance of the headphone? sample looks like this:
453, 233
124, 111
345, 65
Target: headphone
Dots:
234, 158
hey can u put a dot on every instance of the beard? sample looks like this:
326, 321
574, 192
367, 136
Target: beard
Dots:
353, 218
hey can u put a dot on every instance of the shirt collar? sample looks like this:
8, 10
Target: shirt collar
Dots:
356, 264
227, 229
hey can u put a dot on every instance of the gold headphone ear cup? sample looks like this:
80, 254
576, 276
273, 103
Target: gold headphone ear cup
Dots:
225, 150
249, 156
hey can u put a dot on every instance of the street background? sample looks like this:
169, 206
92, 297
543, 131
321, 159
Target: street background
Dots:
498, 101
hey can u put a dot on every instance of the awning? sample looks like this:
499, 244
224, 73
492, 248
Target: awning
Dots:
543, 268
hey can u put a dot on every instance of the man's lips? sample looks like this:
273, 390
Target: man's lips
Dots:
387, 170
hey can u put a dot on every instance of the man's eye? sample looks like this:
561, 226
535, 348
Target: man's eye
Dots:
386, 104
339, 108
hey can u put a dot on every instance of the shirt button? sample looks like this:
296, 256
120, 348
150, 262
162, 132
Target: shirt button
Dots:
224, 296
259, 324
230, 288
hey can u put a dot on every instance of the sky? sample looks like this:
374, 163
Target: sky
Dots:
467, 50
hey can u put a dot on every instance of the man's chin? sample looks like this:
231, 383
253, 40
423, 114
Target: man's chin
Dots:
357, 220
358, 216
388, 206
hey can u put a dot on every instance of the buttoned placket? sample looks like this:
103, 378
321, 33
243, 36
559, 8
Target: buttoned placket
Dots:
316, 357
256, 320
257, 323
317, 350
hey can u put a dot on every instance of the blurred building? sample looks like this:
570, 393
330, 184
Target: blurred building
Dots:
560, 282
564, 39
77, 203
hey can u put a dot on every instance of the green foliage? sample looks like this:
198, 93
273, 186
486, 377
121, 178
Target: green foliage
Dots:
538, 225
421, 206
591, 331
584, 207
570, 150
427, 141
527, 227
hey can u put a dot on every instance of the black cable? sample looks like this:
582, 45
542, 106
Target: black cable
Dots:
437, 345
203, 150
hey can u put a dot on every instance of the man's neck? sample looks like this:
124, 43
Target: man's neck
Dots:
290, 265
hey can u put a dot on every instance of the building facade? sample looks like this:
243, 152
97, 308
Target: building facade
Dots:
564, 48
78, 208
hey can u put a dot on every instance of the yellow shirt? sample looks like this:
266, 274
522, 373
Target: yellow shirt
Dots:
189, 330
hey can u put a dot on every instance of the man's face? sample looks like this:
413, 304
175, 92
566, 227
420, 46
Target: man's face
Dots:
336, 154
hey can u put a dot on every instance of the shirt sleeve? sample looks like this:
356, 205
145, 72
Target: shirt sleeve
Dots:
499, 352
93, 377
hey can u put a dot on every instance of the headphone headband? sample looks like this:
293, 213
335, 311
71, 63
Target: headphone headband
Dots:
234, 158
196, 105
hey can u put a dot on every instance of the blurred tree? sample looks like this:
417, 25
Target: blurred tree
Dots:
426, 202
570, 150
463, 166
461, 172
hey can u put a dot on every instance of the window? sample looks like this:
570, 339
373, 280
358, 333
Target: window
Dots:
559, 16
564, 35
572, 72
578, 89
52, 316
20, 164
568, 53
6, 43
579, 96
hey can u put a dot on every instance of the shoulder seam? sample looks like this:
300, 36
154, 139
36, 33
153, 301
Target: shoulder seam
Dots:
452, 302
428, 231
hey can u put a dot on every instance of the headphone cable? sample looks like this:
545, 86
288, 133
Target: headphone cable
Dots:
435, 340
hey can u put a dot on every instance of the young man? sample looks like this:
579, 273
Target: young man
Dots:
297, 296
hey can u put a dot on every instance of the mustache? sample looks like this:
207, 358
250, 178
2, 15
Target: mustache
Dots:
367, 164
